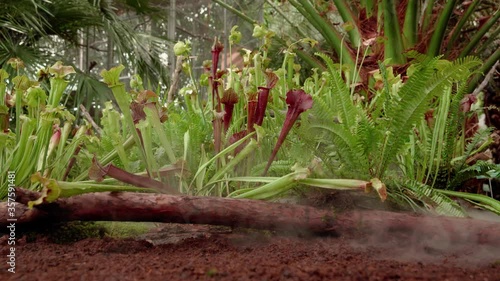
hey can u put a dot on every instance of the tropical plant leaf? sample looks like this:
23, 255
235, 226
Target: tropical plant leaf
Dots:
434, 200
403, 115
479, 169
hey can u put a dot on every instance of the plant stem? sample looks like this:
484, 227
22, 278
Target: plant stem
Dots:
487, 66
410, 25
457, 30
440, 29
333, 38
479, 34
393, 48
348, 17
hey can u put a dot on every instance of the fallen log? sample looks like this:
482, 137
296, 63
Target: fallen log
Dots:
147, 207
378, 225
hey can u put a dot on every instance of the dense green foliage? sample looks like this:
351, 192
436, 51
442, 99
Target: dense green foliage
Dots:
255, 131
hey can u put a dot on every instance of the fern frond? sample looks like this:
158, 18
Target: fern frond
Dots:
479, 139
480, 168
416, 94
347, 146
416, 56
321, 110
454, 124
456, 117
463, 68
434, 200
340, 97
328, 61
402, 116
368, 139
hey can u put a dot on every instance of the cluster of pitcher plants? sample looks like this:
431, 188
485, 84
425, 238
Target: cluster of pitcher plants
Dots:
251, 132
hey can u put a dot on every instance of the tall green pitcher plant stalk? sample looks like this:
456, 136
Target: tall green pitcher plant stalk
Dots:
37, 129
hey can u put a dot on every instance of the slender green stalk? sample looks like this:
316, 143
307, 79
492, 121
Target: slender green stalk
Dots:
368, 5
153, 116
488, 64
3, 86
289, 60
336, 183
438, 134
4, 110
147, 142
323, 183
112, 78
333, 38
492, 204
427, 15
440, 29
393, 48
60, 189
64, 158
457, 30
410, 26
28, 126
27, 164
225, 151
19, 88
66, 130
276, 187
493, 36
479, 34
43, 134
349, 18
244, 153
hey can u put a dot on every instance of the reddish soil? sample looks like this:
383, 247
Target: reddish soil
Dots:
189, 252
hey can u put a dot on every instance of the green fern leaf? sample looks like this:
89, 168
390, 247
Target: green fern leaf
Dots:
402, 116
480, 168
436, 201
340, 95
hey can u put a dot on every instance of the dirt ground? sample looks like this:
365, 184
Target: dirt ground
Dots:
382, 246
197, 252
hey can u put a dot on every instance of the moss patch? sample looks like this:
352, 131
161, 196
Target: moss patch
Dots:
125, 229
70, 232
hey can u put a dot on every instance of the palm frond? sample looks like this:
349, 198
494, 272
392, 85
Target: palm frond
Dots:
24, 17
33, 57
66, 13
143, 47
